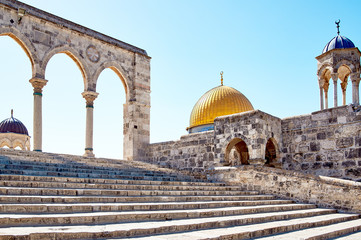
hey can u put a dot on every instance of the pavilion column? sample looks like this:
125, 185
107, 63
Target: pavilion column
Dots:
89, 97
355, 78
38, 85
334, 78
321, 82
321, 98
343, 87
325, 88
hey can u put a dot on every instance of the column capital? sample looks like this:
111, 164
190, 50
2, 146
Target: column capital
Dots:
355, 77
38, 84
89, 97
321, 81
334, 76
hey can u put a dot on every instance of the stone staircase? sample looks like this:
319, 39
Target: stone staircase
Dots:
56, 196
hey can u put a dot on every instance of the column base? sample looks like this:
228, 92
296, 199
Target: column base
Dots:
89, 153
257, 161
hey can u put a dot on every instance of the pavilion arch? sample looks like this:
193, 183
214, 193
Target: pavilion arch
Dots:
5, 142
72, 53
272, 154
238, 147
25, 44
345, 63
119, 70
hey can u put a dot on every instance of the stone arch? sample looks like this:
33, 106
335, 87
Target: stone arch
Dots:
119, 70
324, 68
272, 153
25, 44
19, 144
5, 142
72, 53
239, 147
346, 63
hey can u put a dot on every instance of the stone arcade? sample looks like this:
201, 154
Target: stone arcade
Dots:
42, 35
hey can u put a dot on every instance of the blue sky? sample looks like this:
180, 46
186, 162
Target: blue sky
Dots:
266, 50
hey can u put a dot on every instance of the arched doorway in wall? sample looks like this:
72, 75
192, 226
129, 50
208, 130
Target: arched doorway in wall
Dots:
236, 153
271, 153
63, 106
16, 91
108, 115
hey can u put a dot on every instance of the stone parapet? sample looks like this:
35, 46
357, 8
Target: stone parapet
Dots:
343, 195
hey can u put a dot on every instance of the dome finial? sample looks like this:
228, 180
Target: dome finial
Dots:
338, 26
221, 78
12, 113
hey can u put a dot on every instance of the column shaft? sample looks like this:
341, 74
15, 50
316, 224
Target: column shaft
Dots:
37, 123
335, 93
89, 132
321, 98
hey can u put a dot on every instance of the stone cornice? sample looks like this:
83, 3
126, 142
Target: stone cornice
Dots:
71, 25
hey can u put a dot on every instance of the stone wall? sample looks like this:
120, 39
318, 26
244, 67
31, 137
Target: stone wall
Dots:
322, 191
193, 152
326, 142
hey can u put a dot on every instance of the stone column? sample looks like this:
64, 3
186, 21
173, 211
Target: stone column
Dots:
325, 88
343, 87
321, 82
38, 85
321, 98
355, 78
89, 97
334, 78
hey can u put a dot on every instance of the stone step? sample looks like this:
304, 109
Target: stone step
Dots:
81, 168
113, 207
352, 236
253, 231
7, 220
104, 181
324, 232
69, 185
109, 192
258, 224
125, 199
108, 175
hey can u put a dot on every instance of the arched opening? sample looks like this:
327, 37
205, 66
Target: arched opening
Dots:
108, 114
271, 154
16, 71
236, 153
344, 94
63, 106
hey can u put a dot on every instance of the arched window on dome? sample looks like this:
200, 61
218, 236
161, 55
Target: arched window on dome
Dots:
236, 153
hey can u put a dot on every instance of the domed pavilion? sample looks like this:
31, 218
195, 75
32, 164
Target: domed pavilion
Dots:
338, 63
13, 134
218, 101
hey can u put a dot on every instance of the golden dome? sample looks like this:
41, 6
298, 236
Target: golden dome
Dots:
219, 101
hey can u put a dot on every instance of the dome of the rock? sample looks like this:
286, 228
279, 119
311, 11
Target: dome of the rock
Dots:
13, 125
338, 42
219, 101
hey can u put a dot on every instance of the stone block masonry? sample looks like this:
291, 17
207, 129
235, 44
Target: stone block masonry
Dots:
343, 195
324, 143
